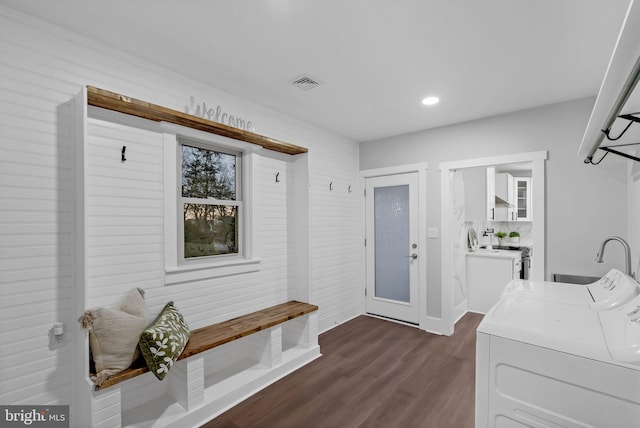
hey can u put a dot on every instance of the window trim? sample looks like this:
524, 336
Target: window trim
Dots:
177, 269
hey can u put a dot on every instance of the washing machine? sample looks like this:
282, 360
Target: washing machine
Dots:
545, 363
612, 290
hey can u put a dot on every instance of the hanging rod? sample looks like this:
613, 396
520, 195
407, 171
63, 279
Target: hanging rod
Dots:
619, 153
624, 95
610, 149
630, 117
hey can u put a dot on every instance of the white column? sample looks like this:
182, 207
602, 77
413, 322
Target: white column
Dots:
268, 346
186, 382
107, 408
312, 329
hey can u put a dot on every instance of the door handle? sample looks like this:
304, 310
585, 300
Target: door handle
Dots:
413, 256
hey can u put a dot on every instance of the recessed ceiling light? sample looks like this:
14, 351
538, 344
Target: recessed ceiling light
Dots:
429, 101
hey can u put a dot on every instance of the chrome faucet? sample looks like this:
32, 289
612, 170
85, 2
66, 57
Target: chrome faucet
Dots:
627, 252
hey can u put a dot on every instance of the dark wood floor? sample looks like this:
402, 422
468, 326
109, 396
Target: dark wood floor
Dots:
373, 373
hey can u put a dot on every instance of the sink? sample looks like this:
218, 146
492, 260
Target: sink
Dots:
575, 279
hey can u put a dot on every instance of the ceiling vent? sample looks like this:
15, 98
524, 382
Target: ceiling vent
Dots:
305, 83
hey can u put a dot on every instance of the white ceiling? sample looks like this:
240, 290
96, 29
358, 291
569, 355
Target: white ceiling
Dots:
376, 59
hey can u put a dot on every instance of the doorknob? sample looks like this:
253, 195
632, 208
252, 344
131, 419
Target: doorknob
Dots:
413, 256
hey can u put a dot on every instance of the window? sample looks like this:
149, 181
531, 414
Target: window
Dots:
211, 202
209, 223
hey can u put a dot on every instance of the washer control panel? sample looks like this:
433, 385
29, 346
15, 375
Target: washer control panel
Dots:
621, 329
612, 290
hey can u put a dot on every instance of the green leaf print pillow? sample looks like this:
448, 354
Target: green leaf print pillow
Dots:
163, 340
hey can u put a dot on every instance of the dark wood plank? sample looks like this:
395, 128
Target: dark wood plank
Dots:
209, 337
123, 104
373, 373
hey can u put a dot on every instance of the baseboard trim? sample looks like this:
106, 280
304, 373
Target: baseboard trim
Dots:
459, 311
328, 323
408, 324
436, 326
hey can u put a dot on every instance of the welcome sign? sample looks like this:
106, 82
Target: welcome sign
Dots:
216, 114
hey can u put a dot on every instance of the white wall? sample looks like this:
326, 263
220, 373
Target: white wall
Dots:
584, 203
42, 67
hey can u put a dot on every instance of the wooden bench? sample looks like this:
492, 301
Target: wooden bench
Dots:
209, 337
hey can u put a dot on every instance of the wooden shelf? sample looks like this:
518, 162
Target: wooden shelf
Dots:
113, 101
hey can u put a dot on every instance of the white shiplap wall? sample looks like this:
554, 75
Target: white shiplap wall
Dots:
333, 233
42, 67
124, 211
125, 227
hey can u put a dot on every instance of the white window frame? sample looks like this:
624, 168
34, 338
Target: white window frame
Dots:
238, 202
178, 269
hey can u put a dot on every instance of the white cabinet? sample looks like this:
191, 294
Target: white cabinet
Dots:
506, 192
523, 198
484, 190
487, 275
479, 193
490, 207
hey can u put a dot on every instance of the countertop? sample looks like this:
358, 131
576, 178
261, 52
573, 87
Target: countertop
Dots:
510, 247
504, 254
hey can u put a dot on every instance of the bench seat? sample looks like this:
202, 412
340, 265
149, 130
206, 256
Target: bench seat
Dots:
205, 338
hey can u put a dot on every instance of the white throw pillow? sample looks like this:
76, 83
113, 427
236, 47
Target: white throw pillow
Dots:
114, 334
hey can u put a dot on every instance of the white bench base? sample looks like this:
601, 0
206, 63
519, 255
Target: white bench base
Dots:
201, 387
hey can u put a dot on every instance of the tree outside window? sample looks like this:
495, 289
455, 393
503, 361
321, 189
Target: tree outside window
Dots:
210, 201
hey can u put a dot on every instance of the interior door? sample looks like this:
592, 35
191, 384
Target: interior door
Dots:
392, 252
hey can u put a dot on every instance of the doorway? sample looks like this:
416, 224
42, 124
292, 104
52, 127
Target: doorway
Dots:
395, 243
537, 181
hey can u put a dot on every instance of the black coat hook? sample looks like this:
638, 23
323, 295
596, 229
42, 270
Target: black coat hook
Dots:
349, 189
277, 177
122, 158
331, 186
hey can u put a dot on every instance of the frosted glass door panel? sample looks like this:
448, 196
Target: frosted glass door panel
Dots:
393, 247
392, 243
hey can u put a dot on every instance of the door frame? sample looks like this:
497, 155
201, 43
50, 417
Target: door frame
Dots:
537, 160
421, 170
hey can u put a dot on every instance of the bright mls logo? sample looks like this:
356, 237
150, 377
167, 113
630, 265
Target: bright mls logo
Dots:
35, 416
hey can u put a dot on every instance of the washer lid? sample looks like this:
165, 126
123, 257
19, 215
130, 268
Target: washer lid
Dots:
549, 291
611, 291
567, 328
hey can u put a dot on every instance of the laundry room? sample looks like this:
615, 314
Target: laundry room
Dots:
308, 213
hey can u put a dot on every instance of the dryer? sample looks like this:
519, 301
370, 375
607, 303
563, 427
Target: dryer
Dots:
546, 359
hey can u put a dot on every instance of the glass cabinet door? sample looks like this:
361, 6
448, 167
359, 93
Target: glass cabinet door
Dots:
523, 189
